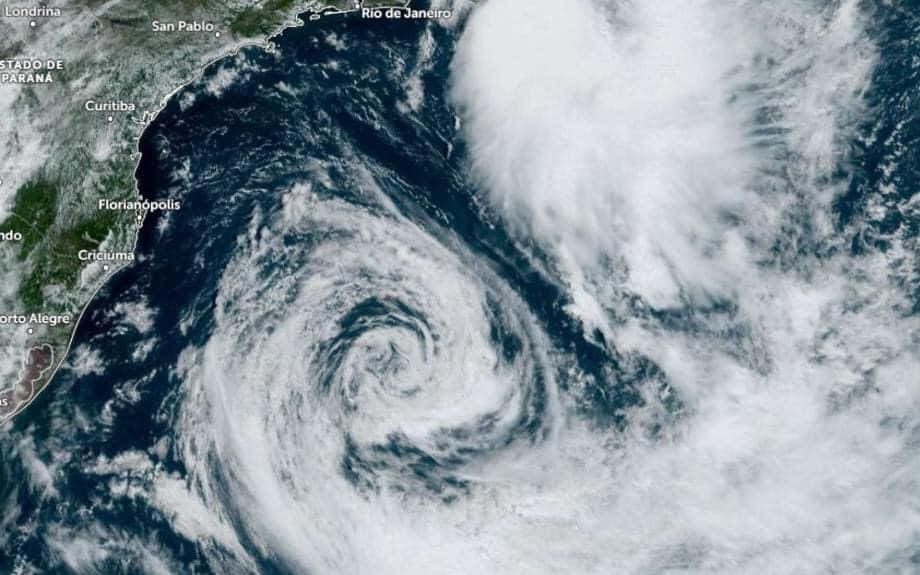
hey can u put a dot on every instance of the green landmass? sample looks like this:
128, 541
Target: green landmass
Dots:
33, 214
256, 20
57, 264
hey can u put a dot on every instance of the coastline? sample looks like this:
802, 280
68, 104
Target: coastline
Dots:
46, 375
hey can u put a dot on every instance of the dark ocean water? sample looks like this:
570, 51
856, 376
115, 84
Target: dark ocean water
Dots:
333, 95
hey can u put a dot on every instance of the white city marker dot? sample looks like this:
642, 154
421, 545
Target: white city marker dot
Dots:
30, 331
111, 118
32, 24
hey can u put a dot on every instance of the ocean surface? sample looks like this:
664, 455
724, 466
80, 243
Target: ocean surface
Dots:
463, 298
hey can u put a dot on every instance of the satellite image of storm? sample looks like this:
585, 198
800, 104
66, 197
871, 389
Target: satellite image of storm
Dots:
462, 287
